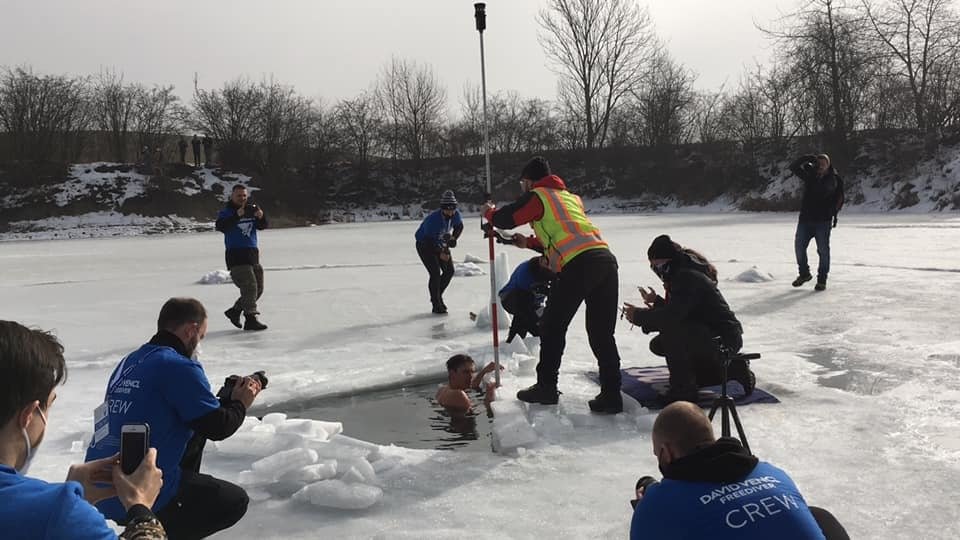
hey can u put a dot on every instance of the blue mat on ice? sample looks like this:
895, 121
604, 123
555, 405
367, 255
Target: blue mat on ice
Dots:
643, 384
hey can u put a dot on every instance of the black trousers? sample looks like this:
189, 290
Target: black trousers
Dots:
522, 305
202, 506
692, 355
441, 272
591, 278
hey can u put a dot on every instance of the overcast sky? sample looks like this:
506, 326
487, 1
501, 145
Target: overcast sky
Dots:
335, 48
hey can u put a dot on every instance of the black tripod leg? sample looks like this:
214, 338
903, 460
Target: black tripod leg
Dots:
736, 420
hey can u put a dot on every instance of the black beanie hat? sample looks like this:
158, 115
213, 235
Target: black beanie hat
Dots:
535, 169
664, 248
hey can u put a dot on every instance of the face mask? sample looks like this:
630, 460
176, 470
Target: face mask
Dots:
31, 449
660, 269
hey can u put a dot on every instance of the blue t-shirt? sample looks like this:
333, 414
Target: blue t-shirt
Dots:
435, 225
242, 235
766, 504
33, 510
158, 386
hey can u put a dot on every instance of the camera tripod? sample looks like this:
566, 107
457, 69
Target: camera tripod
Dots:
724, 402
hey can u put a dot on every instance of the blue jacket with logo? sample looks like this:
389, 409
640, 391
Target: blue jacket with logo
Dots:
723, 492
159, 386
240, 234
435, 225
33, 509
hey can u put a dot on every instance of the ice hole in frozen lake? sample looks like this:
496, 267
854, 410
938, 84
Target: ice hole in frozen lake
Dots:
406, 416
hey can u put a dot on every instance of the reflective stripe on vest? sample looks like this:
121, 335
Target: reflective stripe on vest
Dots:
564, 229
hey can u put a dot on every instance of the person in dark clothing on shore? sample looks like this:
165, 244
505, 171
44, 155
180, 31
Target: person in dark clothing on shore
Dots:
207, 150
160, 385
713, 488
239, 222
587, 272
196, 147
525, 296
182, 147
689, 319
438, 232
822, 199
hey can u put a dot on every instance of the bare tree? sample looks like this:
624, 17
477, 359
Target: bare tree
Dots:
665, 102
359, 120
286, 123
157, 114
412, 101
44, 116
923, 40
599, 48
113, 104
231, 115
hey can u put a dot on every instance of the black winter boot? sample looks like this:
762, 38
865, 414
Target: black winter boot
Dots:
253, 324
607, 403
539, 394
740, 372
801, 280
234, 315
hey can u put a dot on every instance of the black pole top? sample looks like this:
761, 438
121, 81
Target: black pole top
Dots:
480, 14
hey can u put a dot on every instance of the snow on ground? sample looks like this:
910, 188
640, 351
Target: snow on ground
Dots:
100, 225
753, 275
867, 372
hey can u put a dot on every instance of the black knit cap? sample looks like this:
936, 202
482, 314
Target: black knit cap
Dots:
535, 169
664, 248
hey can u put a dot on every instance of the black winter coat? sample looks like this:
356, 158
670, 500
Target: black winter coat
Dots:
691, 297
820, 197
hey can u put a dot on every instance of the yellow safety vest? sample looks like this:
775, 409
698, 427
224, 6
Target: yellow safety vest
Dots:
564, 229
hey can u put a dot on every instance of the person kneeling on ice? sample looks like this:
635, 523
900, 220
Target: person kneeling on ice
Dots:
714, 488
689, 318
525, 296
162, 385
438, 233
31, 367
462, 375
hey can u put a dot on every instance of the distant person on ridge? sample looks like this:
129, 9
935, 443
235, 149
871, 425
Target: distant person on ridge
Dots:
239, 222
822, 200
208, 150
587, 272
438, 233
182, 146
195, 144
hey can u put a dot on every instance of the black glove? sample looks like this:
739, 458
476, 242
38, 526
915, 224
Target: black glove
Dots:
452, 243
834, 222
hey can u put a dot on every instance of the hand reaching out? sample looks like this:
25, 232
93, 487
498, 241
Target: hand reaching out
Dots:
649, 296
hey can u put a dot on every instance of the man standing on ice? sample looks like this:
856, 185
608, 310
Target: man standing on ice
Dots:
587, 272
438, 233
822, 199
160, 384
239, 223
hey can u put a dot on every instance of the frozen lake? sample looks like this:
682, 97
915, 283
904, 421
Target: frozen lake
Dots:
868, 371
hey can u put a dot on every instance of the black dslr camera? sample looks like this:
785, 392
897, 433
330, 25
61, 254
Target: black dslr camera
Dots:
231, 381
642, 484
808, 166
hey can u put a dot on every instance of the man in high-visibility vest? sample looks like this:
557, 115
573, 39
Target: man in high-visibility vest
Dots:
586, 273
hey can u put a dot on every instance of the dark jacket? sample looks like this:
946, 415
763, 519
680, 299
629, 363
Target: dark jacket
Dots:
822, 195
692, 296
240, 235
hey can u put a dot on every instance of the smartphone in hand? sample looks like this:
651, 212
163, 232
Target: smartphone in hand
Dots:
134, 442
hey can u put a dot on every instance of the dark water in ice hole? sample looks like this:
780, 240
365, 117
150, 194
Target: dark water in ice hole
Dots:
407, 417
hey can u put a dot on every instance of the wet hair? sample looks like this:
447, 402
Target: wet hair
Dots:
237, 187
179, 311
457, 361
684, 426
31, 365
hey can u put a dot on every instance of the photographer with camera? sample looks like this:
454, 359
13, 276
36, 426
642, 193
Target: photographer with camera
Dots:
161, 384
31, 367
525, 296
689, 318
437, 234
713, 488
822, 199
239, 222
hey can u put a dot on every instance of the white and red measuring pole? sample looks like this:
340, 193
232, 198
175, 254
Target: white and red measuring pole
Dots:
480, 15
